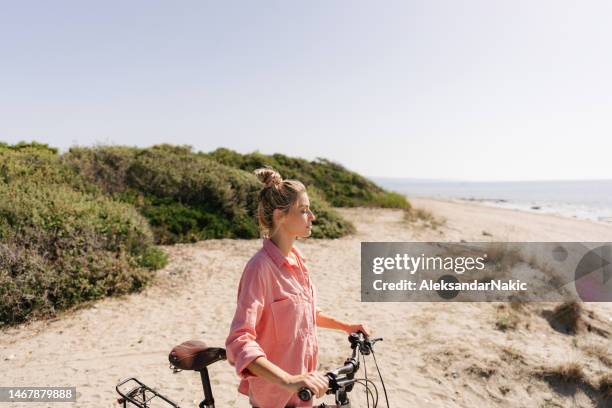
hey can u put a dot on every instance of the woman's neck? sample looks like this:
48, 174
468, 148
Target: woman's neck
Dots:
283, 242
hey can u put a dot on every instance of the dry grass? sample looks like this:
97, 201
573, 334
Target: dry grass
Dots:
567, 316
570, 377
512, 355
602, 353
502, 256
499, 259
605, 386
518, 305
506, 319
566, 373
423, 218
553, 279
481, 371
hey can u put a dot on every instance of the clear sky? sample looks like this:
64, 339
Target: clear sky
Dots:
472, 90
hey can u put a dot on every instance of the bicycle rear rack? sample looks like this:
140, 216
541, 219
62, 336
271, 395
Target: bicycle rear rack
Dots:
141, 395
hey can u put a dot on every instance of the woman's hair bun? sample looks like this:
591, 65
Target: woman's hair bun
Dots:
269, 176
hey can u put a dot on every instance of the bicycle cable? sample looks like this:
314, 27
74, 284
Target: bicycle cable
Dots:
381, 380
363, 382
365, 371
368, 391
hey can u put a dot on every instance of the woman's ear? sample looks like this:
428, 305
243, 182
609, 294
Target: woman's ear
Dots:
278, 216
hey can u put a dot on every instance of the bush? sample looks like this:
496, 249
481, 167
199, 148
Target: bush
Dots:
32, 146
82, 225
152, 258
60, 247
328, 224
338, 185
37, 165
24, 279
187, 196
104, 167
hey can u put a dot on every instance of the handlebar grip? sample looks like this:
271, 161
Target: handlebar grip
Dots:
305, 394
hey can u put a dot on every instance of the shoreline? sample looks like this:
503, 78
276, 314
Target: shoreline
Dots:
469, 220
490, 203
563, 210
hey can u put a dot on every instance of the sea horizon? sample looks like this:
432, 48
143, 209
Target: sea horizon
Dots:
583, 199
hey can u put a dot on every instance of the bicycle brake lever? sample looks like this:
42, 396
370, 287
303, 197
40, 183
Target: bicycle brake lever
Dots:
369, 344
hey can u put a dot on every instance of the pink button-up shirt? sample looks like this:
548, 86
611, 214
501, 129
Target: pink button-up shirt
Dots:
275, 317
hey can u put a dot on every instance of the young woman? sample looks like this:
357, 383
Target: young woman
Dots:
273, 338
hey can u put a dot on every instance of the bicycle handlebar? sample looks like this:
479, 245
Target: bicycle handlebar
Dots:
334, 384
359, 343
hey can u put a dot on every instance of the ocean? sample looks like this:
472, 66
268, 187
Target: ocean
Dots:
584, 199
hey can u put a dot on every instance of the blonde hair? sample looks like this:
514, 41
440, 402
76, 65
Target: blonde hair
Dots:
276, 193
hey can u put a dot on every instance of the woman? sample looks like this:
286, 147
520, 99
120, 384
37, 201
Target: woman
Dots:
273, 339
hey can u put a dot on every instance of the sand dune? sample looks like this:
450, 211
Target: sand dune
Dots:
433, 355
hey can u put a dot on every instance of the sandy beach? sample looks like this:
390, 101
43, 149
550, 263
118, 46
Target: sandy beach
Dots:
433, 354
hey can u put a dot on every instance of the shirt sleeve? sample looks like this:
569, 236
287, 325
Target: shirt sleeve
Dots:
241, 345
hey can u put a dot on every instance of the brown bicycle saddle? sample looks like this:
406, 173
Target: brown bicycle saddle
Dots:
195, 355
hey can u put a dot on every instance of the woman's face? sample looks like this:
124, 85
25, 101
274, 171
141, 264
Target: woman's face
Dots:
297, 222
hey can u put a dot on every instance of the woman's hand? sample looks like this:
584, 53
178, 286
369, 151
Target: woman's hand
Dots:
315, 381
354, 328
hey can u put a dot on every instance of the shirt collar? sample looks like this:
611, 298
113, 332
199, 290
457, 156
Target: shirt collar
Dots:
276, 255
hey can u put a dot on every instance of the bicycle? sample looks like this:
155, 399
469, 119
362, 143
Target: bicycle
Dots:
197, 356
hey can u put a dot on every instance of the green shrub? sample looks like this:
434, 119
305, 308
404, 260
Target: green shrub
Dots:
82, 225
390, 199
105, 167
35, 165
186, 196
328, 223
32, 146
24, 279
338, 185
152, 258
60, 247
